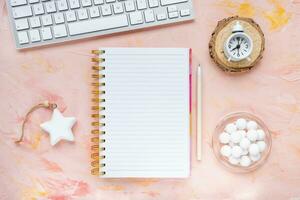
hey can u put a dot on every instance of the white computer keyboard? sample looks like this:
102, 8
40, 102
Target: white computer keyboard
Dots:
42, 22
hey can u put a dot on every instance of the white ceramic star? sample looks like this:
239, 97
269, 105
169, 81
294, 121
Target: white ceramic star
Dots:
59, 127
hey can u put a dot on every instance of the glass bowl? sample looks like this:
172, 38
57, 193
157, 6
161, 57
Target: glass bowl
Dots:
231, 118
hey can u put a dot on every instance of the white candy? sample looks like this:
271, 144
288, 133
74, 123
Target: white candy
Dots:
242, 132
241, 123
261, 145
245, 161
255, 158
251, 125
224, 138
231, 144
236, 151
233, 160
244, 152
226, 150
252, 135
253, 149
235, 137
260, 134
245, 143
230, 128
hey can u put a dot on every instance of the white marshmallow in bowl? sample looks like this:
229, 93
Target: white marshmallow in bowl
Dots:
234, 161
252, 135
242, 132
235, 137
245, 152
255, 158
241, 124
230, 128
226, 150
254, 149
245, 161
236, 151
224, 138
245, 143
261, 145
260, 134
252, 125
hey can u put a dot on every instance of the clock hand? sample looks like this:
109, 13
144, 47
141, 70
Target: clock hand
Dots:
234, 48
239, 44
237, 47
238, 40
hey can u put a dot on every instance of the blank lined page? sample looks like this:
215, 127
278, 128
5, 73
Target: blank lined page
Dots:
146, 113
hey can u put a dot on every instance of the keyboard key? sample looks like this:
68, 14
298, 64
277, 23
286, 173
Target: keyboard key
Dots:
94, 12
153, 3
161, 16
106, 10
110, 1
22, 11
74, 4
46, 33
60, 31
86, 3
34, 35
34, 1
59, 18
21, 24
136, 18
98, 24
38, 9
82, 14
98, 2
185, 12
129, 6
50, 7
118, 8
35, 22
141, 4
149, 16
169, 2
172, 8
71, 16
23, 37
173, 15
47, 20
18, 2
62, 5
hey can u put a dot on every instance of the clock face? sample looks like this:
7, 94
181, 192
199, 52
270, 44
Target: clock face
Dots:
238, 47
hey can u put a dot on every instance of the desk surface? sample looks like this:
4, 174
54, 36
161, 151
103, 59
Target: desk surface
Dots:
60, 73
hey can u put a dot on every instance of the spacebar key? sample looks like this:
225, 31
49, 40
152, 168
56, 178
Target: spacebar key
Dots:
99, 24
169, 2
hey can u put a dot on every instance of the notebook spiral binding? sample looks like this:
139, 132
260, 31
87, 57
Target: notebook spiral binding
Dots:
97, 158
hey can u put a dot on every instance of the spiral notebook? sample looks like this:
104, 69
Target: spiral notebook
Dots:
141, 113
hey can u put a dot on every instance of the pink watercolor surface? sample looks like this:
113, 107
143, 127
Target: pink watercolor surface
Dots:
60, 73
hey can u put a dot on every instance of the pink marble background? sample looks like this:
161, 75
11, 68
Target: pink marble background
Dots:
60, 73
